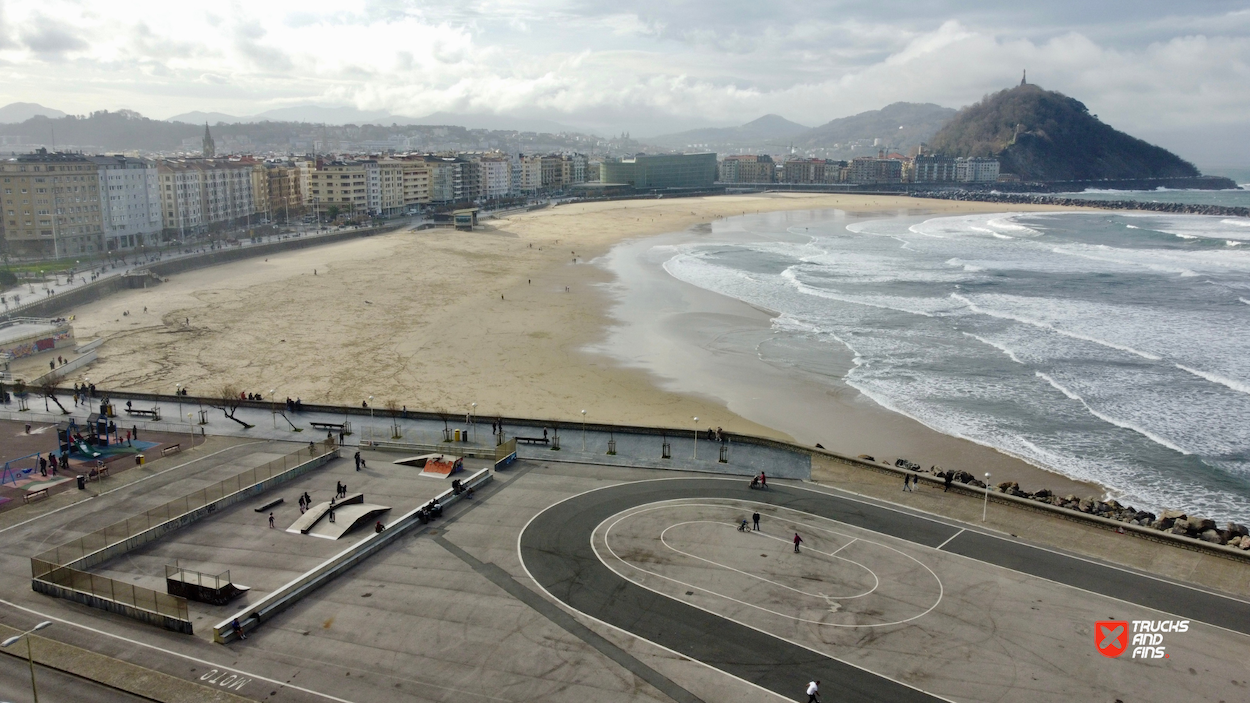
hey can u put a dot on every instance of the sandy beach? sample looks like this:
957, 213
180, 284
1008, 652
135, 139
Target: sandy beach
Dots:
514, 317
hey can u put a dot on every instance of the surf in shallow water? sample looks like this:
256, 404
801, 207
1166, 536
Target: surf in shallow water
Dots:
1107, 347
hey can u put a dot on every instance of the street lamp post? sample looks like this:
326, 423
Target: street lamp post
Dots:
30, 659
986, 506
696, 438
371, 418
178, 395
273, 407
191, 427
583, 430
473, 420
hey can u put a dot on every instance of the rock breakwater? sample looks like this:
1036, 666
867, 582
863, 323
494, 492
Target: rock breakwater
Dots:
1042, 199
1176, 522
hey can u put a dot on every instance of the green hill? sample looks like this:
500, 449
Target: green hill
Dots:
1042, 135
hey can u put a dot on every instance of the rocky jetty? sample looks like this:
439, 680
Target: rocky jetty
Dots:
1173, 521
1040, 199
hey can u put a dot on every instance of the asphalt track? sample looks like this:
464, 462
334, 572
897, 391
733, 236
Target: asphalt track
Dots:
556, 550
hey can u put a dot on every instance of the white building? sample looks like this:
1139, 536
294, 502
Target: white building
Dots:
976, 169
130, 202
496, 177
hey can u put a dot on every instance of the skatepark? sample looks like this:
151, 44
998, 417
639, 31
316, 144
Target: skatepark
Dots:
568, 580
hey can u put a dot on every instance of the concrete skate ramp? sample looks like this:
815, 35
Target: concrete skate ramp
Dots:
314, 514
346, 518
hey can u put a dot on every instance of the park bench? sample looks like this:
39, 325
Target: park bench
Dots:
154, 414
166, 451
35, 495
326, 425
532, 440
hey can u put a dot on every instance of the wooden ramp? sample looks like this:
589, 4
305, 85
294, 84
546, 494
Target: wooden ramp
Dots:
314, 514
346, 518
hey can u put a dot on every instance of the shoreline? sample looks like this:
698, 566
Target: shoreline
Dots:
440, 320
694, 340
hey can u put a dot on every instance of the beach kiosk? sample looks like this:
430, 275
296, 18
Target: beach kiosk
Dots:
464, 220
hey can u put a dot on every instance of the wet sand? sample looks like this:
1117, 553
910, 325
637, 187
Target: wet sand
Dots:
441, 319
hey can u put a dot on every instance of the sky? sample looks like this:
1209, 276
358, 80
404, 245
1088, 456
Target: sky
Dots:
1164, 70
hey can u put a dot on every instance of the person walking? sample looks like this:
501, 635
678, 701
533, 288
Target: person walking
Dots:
271, 519
755, 518
797, 541
358, 461
813, 692
946, 481
763, 480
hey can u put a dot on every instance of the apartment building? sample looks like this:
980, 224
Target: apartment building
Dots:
976, 169
928, 168
283, 195
496, 177
866, 169
51, 204
810, 171
130, 202
343, 185
416, 183
199, 195
748, 168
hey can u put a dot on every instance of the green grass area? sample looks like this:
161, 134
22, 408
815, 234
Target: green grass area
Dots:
54, 265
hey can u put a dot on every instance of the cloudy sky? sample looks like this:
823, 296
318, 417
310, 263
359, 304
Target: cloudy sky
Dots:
1154, 68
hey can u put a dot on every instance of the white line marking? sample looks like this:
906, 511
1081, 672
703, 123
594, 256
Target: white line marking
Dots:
853, 541
678, 502
133, 483
575, 611
876, 584
179, 654
948, 539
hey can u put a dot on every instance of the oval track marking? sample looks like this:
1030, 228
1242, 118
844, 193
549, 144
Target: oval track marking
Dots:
875, 585
677, 503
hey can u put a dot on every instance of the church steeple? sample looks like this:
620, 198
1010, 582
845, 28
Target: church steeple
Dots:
210, 149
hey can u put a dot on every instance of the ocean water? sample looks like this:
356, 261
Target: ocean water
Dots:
1108, 347
1228, 198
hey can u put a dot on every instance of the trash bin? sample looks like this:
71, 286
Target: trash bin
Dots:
138, 460
82, 482
456, 434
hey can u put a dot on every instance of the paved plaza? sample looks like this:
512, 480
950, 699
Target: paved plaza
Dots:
570, 581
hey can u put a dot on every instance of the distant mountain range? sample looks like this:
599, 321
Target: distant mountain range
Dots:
20, 112
763, 131
315, 114
899, 126
1036, 134
1046, 136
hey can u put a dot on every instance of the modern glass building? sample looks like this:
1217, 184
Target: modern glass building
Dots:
661, 171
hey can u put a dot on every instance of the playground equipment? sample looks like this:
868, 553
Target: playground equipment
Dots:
14, 471
98, 425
